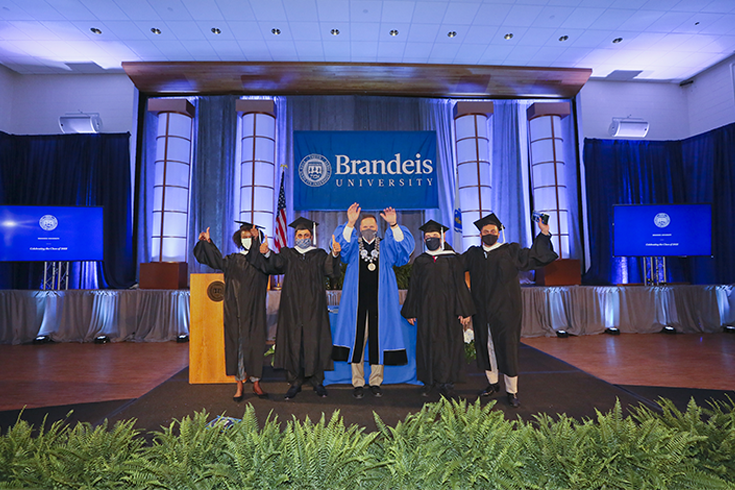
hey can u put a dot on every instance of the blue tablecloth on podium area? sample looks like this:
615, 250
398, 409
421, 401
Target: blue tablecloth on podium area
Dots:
342, 373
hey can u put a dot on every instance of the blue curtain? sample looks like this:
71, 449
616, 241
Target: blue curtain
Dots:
696, 170
72, 170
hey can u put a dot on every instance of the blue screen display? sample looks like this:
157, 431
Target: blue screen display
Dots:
50, 233
662, 230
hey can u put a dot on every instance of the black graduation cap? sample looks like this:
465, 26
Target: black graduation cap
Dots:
244, 225
302, 223
490, 219
432, 225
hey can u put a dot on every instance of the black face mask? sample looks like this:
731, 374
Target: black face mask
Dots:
433, 243
489, 240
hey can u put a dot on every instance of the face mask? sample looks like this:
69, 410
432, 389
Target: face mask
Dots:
489, 240
303, 242
368, 235
433, 243
246, 243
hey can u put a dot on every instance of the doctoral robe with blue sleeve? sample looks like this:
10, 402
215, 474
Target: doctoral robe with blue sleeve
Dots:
391, 348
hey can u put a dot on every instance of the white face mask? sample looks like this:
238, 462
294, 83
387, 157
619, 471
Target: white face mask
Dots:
246, 242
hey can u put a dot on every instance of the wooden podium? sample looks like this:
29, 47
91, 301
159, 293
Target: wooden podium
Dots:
206, 330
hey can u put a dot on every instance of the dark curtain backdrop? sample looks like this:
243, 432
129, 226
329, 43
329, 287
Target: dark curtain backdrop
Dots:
695, 170
72, 170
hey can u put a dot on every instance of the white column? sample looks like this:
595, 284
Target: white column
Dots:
549, 187
474, 166
172, 179
257, 165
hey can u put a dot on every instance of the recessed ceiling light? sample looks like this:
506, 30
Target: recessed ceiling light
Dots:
452, 34
394, 33
696, 23
335, 32
216, 30
563, 38
95, 30
508, 36
617, 40
275, 31
155, 30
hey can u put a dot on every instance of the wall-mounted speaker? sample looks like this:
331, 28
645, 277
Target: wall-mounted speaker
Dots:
628, 128
80, 123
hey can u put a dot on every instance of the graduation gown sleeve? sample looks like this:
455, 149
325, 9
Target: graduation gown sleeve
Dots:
207, 253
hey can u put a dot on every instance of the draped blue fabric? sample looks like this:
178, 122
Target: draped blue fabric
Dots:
72, 170
696, 170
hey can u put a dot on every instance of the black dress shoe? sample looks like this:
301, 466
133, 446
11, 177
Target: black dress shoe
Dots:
376, 391
447, 391
238, 398
490, 390
513, 400
292, 392
320, 391
358, 392
426, 390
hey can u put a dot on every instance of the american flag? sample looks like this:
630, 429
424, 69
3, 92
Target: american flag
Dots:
280, 238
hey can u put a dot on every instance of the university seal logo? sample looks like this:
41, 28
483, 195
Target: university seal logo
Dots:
315, 170
662, 220
48, 222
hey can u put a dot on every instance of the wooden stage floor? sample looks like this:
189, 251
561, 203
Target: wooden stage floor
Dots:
34, 376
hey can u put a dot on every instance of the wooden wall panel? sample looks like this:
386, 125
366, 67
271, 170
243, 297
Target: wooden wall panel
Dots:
474, 81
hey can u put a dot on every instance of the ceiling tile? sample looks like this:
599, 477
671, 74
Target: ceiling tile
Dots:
30, 10
33, 30
460, 13
641, 20
720, 6
429, 12
305, 31
492, 14
417, 50
333, 10
301, 10
365, 52
104, 9
669, 21
123, 30
553, 16
170, 10
583, 17
398, 11
499, 36
183, 30
203, 9
138, 10
365, 31
308, 51
522, 15
254, 49
235, 10
271, 10
266, 30
423, 33
365, 10
477, 34
74, 10
536, 36
282, 50
470, 54
336, 51
246, 30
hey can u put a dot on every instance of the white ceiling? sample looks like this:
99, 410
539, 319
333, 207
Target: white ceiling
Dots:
663, 39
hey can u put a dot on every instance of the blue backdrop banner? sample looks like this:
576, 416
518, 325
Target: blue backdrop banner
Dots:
377, 169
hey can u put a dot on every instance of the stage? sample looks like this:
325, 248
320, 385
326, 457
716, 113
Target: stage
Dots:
162, 315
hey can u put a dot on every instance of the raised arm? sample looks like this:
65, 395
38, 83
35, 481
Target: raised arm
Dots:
207, 253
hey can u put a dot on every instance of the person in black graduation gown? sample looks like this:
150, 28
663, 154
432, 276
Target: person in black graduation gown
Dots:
244, 304
440, 305
304, 337
496, 292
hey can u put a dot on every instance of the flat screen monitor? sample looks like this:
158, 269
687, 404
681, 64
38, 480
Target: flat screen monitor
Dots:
662, 230
50, 233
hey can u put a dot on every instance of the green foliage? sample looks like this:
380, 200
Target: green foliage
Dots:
403, 275
470, 354
449, 444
